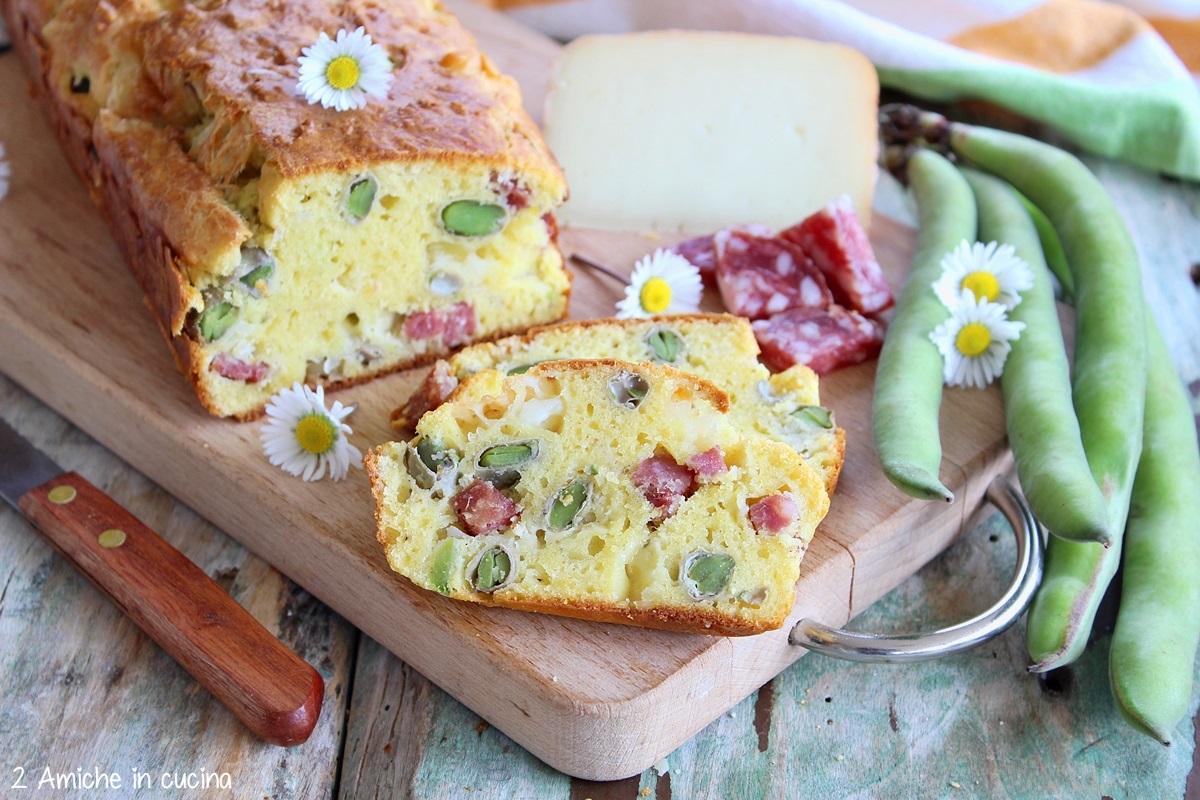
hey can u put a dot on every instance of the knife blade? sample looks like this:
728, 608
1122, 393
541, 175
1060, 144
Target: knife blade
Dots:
274, 692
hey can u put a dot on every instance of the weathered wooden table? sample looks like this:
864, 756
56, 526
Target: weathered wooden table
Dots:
84, 691
86, 695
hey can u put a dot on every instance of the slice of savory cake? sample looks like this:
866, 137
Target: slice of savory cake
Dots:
718, 347
280, 241
601, 489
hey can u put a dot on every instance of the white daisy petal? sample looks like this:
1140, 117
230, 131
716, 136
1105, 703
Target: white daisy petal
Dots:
682, 280
283, 447
374, 86
978, 370
5, 172
993, 265
374, 70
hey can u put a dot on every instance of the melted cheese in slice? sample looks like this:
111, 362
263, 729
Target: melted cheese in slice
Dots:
690, 131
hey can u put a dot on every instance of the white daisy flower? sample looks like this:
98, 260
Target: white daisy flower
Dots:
992, 272
341, 73
975, 341
304, 438
662, 283
5, 172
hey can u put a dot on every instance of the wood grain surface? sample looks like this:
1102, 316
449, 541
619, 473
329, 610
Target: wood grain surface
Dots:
596, 701
268, 687
94, 692
83, 687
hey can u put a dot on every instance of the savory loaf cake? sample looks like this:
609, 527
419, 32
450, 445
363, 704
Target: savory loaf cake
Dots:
280, 241
599, 489
718, 347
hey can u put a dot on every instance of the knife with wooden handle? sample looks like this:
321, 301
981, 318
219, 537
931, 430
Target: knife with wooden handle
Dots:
267, 686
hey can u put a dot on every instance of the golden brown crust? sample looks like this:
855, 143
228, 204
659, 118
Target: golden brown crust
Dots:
35, 12
371, 466
682, 620
446, 98
839, 448
666, 319
165, 212
72, 129
231, 68
141, 241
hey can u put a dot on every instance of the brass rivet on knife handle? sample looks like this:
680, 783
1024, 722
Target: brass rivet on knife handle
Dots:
61, 495
268, 687
113, 537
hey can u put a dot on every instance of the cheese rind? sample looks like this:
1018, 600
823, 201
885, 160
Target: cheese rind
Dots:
691, 131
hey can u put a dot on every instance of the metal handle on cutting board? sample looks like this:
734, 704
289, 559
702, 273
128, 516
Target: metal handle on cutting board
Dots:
903, 648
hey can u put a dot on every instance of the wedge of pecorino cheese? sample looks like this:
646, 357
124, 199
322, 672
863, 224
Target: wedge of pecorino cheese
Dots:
692, 131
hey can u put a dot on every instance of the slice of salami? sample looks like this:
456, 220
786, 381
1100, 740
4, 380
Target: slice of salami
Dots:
774, 513
702, 250
825, 339
438, 385
235, 369
460, 324
759, 275
455, 324
424, 324
664, 482
482, 508
709, 464
837, 244
702, 254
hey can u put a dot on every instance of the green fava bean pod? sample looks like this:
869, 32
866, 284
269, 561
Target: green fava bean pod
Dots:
1074, 579
1109, 384
1056, 260
1158, 621
1076, 573
1042, 429
908, 379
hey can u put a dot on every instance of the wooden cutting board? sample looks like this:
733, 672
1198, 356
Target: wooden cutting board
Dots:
595, 701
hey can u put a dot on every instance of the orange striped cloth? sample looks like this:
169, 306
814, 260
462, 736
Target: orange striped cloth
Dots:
1120, 80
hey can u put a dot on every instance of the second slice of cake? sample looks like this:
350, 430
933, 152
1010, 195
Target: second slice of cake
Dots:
717, 347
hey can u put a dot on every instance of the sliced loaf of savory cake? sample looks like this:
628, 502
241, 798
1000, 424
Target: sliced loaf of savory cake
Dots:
280, 241
718, 347
599, 489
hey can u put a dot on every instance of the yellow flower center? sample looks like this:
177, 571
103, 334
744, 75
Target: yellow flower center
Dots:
983, 285
342, 73
973, 339
656, 295
316, 434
